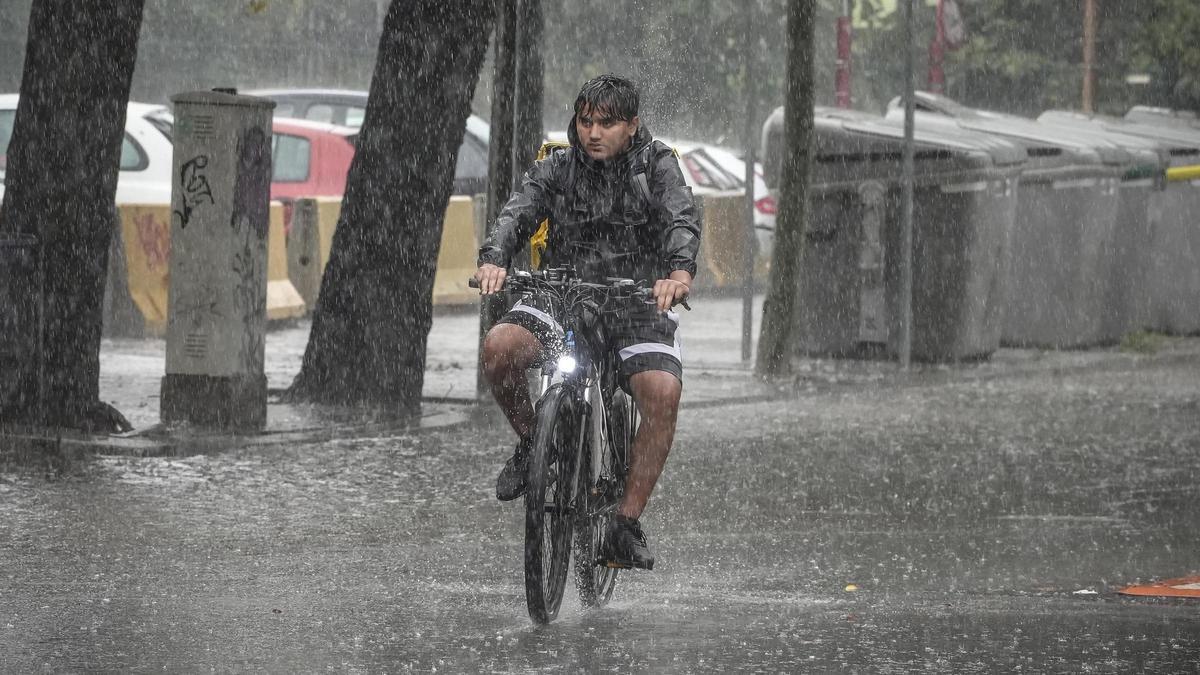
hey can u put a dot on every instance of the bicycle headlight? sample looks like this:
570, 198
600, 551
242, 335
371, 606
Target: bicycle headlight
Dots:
566, 364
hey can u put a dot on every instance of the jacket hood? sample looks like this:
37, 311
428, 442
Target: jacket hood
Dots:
641, 138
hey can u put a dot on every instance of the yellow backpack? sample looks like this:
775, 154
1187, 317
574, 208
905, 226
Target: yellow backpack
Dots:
537, 243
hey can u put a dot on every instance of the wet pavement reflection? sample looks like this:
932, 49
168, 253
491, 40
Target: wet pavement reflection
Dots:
986, 525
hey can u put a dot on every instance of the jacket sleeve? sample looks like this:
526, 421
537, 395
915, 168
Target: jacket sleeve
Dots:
519, 218
681, 241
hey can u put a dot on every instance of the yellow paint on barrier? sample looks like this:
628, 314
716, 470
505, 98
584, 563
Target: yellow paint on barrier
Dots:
146, 234
457, 255
723, 240
314, 224
329, 209
283, 300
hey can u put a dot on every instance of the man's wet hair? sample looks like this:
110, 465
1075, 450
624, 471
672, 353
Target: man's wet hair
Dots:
609, 95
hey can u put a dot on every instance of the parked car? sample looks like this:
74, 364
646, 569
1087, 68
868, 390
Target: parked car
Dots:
309, 159
145, 169
716, 167
345, 107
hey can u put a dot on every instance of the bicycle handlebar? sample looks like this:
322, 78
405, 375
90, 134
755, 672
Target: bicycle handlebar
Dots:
615, 283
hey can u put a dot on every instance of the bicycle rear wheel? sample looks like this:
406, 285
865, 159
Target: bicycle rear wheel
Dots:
549, 507
598, 498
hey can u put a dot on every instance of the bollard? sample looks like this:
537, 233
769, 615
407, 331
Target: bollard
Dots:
217, 309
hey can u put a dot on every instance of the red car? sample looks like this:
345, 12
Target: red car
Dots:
310, 159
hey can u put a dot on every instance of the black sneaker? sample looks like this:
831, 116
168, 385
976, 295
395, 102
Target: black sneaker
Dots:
510, 484
625, 545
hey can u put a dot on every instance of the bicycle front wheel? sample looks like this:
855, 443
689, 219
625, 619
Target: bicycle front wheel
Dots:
549, 507
599, 494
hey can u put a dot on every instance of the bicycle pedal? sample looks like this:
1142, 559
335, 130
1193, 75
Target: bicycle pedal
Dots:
612, 564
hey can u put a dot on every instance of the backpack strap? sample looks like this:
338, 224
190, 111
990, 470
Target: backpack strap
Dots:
641, 166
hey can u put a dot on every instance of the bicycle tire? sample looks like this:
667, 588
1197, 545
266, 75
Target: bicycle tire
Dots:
597, 499
549, 516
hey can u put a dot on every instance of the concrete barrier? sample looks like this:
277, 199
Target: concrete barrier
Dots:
457, 255
723, 241
311, 239
283, 300
146, 233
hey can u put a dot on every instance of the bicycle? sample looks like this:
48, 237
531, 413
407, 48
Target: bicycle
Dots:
584, 428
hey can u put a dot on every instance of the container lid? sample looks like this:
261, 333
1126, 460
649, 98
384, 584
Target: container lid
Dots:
1177, 139
221, 97
886, 131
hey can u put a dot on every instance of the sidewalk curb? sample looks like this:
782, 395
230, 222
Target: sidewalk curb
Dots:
30, 445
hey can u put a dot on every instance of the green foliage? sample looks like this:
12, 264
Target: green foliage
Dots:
1167, 47
1142, 342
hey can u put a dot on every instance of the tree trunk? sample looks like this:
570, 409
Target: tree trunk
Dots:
500, 159
61, 182
374, 310
527, 121
775, 338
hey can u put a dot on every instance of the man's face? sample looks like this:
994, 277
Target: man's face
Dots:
602, 135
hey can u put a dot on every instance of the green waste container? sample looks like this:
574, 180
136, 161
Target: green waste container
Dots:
964, 205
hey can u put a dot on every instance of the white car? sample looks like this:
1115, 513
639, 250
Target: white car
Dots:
145, 173
715, 167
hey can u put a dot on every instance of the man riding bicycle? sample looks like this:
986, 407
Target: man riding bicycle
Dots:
618, 207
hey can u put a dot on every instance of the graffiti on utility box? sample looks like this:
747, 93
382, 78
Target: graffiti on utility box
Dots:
193, 187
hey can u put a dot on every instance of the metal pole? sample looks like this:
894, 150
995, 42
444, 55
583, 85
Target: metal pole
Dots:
906, 187
1089, 54
843, 68
749, 246
937, 52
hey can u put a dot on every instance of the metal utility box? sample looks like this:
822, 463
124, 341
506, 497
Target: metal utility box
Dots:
965, 201
1174, 275
216, 317
1065, 225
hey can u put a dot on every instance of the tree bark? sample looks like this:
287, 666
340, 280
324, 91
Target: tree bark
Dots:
501, 177
527, 121
775, 343
61, 179
374, 309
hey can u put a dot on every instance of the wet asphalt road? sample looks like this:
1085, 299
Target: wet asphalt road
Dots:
969, 512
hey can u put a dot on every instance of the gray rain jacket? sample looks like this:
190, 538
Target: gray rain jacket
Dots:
601, 220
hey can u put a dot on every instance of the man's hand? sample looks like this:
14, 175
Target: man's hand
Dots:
490, 278
673, 290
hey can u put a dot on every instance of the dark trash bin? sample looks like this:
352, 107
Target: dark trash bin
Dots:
965, 201
1174, 267
1065, 225
1127, 300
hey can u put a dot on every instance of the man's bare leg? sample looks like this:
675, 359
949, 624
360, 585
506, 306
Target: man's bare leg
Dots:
656, 394
508, 351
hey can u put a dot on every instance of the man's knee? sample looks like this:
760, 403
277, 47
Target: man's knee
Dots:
507, 348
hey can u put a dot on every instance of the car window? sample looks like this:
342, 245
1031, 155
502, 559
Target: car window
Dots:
472, 160
164, 122
705, 173
320, 112
284, 109
133, 158
289, 158
6, 126
354, 116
